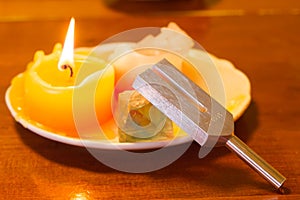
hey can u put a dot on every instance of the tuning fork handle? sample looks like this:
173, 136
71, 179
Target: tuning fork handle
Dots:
255, 161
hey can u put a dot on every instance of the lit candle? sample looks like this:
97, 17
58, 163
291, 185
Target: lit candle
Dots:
43, 93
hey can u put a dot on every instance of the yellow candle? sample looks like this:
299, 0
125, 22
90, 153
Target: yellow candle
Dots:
43, 94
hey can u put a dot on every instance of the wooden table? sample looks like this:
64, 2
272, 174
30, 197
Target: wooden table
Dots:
261, 39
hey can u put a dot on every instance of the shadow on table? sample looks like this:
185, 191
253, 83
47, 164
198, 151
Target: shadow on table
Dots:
61, 153
79, 157
150, 6
209, 172
247, 123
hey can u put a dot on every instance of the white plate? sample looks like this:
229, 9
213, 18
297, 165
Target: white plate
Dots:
236, 84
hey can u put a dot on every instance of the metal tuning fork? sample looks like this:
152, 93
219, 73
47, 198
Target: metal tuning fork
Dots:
198, 114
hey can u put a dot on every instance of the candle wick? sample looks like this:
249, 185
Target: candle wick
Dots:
68, 66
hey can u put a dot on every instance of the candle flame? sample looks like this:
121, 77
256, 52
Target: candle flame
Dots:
67, 55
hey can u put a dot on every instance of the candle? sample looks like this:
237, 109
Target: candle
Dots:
43, 93
172, 43
143, 57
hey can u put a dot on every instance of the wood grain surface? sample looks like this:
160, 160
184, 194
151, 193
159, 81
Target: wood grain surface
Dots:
261, 39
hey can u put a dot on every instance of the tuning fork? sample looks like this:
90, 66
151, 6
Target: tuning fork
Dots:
198, 114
